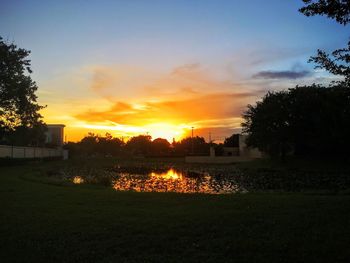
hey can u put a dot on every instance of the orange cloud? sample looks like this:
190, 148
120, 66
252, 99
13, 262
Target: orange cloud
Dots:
129, 83
201, 107
127, 101
217, 111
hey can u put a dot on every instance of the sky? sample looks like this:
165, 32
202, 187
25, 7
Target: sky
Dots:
161, 67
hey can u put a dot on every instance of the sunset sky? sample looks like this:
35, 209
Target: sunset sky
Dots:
161, 67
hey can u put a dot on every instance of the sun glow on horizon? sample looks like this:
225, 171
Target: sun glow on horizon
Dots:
167, 131
145, 107
163, 130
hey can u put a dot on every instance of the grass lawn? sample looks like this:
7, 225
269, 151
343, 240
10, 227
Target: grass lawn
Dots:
45, 222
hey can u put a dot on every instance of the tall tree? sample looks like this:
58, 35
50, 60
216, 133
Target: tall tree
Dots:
19, 110
232, 141
338, 62
304, 121
189, 145
160, 147
267, 124
140, 144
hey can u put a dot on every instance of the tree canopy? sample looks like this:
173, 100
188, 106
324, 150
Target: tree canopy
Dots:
191, 145
335, 9
338, 62
94, 144
19, 110
232, 141
303, 121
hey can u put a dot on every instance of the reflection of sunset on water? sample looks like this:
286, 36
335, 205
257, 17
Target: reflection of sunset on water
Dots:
171, 174
173, 181
78, 180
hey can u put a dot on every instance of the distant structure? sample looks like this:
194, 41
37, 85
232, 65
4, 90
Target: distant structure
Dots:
240, 153
55, 134
242, 149
54, 146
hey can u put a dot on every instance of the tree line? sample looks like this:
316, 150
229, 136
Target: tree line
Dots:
143, 145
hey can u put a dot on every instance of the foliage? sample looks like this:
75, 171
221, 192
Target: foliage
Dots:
19, 110
338, 62
267, 124
189, 145
304, 121
139, 144
160, 147
313, 120
232, 141
96, 145
109, 145
93, 144
335, 9
23, 135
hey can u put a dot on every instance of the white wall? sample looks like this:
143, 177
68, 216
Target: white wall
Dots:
30, 152
248, 151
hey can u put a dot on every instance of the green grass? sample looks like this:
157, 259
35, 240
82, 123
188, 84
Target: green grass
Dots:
47, 221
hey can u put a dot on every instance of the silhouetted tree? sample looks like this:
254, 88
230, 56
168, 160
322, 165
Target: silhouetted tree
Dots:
74, 149
335, 9
232, 141
320, 120
93, 144
139, 144
184, 147
160, 147
267, 124
23, 135
19, 110
304, 121
88, 145
338, 62
109, 145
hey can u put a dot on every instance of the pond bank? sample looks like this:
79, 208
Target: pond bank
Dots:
251, 177
44, 222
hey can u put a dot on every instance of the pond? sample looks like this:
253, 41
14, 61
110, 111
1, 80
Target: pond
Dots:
166, 180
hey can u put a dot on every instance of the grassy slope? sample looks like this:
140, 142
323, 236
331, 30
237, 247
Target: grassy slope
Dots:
42, 222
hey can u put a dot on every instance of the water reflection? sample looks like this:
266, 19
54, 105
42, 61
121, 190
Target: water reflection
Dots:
171, 174
173, 181
78, 180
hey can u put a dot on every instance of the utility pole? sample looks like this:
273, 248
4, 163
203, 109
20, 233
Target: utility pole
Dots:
192, 141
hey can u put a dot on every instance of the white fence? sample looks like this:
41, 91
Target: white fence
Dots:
31, 152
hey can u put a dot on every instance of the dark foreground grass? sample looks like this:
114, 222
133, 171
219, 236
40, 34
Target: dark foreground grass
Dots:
45, 222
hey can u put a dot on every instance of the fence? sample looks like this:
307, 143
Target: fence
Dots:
7, 151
